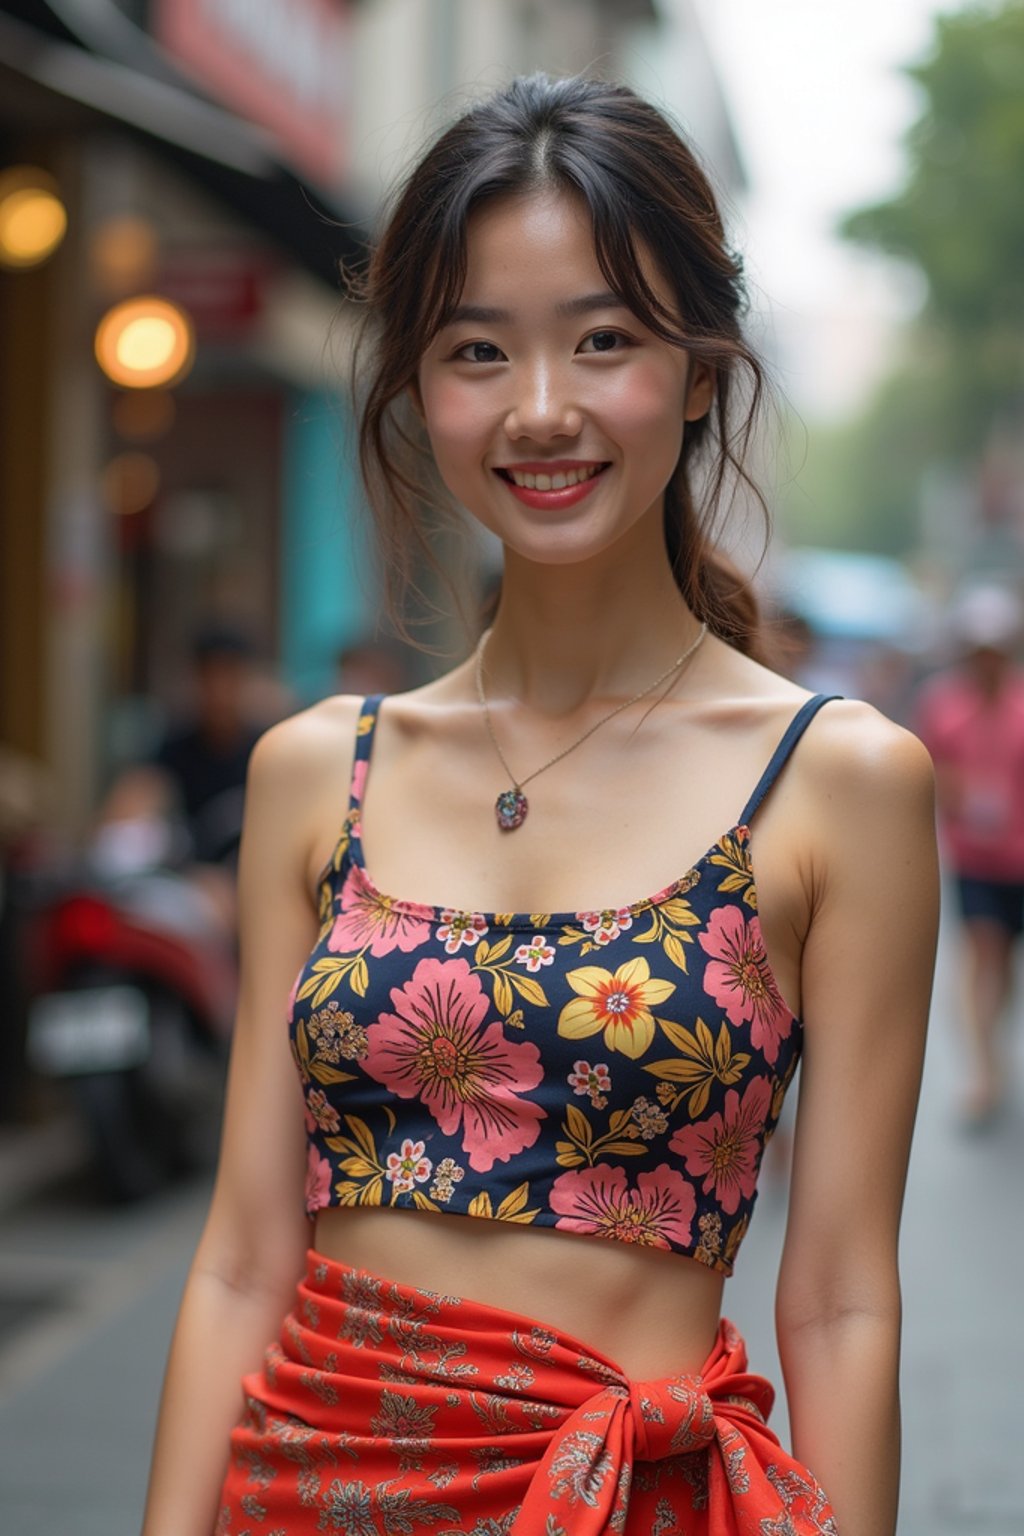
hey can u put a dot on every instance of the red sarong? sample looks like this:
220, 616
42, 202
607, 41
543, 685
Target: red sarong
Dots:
389, 1411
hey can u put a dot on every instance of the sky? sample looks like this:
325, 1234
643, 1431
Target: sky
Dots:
819, 106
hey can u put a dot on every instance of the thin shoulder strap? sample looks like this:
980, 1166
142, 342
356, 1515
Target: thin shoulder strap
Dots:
366, 728
795, 729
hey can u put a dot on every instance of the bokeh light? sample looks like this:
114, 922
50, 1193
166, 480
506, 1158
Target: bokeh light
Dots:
123, 253
145, 342
130, 481
33, 220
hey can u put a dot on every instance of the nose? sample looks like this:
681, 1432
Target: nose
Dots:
543, 407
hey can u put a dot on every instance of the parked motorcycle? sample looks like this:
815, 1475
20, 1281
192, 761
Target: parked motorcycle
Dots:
134, 980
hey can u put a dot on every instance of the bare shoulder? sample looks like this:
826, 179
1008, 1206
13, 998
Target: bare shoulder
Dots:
298, 777
854, 753
868, 792
296, 751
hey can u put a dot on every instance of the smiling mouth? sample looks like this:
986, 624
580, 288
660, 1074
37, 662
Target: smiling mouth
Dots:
558, 480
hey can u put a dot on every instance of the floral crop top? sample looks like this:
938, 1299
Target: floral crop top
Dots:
615, 1073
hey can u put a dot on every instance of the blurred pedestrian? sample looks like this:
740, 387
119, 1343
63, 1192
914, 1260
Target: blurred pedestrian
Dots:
505, 1027
971, 718
371, 665
206, 755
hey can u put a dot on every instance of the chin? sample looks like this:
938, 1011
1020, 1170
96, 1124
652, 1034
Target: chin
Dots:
566, 540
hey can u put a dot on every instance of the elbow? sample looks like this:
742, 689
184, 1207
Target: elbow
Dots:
834, 1301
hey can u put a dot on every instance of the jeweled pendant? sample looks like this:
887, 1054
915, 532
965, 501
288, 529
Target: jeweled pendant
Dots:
510, 808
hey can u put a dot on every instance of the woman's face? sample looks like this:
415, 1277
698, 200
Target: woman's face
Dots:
554, 415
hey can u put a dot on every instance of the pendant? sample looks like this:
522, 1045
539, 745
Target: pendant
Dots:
510, 808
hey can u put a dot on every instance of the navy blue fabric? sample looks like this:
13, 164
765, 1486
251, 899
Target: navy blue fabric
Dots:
615, 1073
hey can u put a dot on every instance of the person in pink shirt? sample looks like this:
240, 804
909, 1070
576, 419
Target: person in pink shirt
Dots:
971, 718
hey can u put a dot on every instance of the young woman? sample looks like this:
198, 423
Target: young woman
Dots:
490, 1017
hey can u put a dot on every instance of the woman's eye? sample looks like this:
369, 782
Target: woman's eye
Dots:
604, 341
479, 352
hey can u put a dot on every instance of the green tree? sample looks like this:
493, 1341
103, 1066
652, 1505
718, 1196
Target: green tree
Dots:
856, 485
960, 220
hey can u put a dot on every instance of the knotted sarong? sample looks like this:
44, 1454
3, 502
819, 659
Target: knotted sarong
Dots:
390, 1411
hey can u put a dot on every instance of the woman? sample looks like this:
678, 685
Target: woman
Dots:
490, 1019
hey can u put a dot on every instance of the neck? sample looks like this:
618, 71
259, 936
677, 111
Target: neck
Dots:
602, 629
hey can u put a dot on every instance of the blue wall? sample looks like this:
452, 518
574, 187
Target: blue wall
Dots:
328, 595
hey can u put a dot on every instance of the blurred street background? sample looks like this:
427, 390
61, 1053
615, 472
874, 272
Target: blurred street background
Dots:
184, 561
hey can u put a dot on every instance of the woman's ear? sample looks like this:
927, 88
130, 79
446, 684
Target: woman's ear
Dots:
700, 390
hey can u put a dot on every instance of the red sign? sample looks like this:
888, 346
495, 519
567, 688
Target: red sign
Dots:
223, 290
281, 63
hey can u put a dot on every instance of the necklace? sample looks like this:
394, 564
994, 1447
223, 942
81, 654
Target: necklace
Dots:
511, 806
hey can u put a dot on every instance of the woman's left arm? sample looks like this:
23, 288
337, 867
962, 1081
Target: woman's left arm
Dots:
866, 985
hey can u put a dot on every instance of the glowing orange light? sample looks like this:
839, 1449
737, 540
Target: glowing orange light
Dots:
33, 219
145, 342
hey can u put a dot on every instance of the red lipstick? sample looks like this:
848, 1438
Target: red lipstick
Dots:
546, 497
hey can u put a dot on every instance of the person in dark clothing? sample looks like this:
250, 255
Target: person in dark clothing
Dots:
207, 755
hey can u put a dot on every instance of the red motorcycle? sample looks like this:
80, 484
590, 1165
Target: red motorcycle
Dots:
133, 981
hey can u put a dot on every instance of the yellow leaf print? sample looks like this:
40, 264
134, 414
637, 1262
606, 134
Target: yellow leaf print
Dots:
679, 913
325, 978
577, 1124
673, 947
513, 1207
529, 989
360, 977
503, 998
733, 855
325, 1074
701, 1060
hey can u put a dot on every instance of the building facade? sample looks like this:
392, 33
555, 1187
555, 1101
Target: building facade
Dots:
225, 156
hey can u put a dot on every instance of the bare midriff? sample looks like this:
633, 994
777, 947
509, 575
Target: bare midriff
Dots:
653, 1312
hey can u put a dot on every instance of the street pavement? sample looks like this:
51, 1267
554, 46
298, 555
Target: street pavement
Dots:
88, 1297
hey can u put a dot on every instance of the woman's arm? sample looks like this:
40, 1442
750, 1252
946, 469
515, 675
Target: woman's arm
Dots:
251, 1252
866, 981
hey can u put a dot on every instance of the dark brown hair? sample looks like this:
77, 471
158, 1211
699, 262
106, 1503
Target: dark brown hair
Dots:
644, 189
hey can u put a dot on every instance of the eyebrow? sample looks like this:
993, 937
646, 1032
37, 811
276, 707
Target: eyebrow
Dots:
480, 314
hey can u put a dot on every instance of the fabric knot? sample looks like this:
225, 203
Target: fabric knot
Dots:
585, 1477
671, 1417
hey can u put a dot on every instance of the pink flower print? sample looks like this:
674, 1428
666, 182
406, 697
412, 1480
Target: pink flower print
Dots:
359, 772
740, 980
318, 1181
596, 1081
534, 955
458, 928
437, 1048
656, 1212
726, 1148
321, 1114
409, 1166
369, 920
607, 925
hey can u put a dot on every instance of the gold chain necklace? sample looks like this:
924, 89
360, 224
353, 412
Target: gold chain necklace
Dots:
511, 806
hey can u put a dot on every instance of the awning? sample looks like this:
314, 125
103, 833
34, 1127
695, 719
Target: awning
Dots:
234, 159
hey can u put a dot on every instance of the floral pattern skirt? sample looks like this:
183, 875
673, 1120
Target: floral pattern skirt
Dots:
389, 1411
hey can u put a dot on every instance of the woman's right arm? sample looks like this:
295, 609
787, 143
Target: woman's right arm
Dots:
251, 1252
